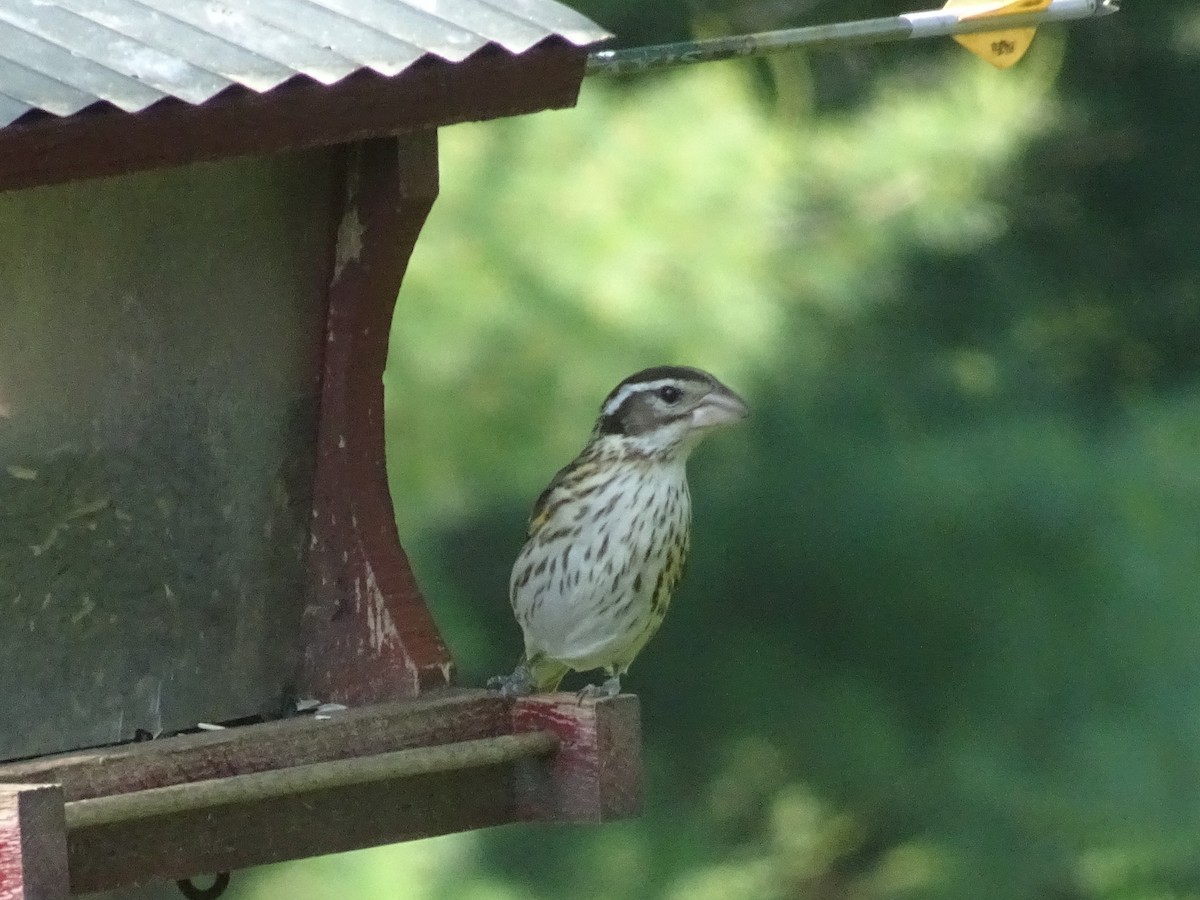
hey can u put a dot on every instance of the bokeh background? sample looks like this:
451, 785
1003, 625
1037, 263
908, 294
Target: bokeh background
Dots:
941, 631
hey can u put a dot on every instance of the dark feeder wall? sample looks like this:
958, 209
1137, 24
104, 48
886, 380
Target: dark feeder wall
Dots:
158, 381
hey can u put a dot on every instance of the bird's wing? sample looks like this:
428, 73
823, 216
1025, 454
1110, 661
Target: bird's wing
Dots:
542, 507
562, 487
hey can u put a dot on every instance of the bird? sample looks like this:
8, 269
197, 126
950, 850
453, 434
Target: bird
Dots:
608, 538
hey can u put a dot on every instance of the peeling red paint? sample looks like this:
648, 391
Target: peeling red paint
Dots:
369, 636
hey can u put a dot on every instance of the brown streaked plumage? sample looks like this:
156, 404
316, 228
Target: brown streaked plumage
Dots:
608, 538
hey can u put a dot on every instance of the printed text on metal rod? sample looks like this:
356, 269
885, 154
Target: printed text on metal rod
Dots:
929, 23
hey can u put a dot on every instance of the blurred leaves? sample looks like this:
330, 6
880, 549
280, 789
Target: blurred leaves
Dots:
687, 224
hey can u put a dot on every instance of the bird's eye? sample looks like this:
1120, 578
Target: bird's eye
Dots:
668, 393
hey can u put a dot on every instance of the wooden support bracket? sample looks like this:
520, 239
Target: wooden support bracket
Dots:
211, 802
368, 634
33, 842
596, 775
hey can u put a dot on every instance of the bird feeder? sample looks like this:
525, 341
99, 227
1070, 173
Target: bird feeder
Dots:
207, 211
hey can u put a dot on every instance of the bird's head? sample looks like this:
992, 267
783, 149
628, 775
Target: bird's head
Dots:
667, 410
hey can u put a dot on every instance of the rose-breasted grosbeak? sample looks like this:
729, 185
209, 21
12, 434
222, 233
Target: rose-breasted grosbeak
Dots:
608, 537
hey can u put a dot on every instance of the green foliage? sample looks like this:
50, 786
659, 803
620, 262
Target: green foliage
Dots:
940, 634
663, 249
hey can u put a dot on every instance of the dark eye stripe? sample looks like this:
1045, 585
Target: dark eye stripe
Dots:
661, 373
618, 421
611, 424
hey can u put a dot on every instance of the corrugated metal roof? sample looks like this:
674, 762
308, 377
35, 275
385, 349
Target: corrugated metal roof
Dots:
61, 56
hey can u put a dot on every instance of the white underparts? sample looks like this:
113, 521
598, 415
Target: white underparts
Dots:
583, 585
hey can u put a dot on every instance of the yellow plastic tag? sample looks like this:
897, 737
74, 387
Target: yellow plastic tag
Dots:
1001, 48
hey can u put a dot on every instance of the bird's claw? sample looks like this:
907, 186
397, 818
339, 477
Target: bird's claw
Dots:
518, 684
610, 687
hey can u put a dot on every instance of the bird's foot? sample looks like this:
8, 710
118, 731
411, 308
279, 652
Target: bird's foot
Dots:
610, 687
518, 684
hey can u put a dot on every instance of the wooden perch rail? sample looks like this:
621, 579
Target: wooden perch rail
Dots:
224, 800
261, 787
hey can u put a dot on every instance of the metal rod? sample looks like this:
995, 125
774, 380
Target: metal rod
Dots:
925, 24
259, 786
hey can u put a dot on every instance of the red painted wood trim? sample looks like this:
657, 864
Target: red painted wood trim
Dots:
33, 843
242, 835
298, 114
596, 775
369, 636
442, 718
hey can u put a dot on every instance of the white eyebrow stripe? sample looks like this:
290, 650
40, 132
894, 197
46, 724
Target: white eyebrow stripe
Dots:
638, 387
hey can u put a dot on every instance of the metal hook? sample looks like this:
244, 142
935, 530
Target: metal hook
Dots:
212, 892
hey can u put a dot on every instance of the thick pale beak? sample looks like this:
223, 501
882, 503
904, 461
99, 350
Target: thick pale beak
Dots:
721, 407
